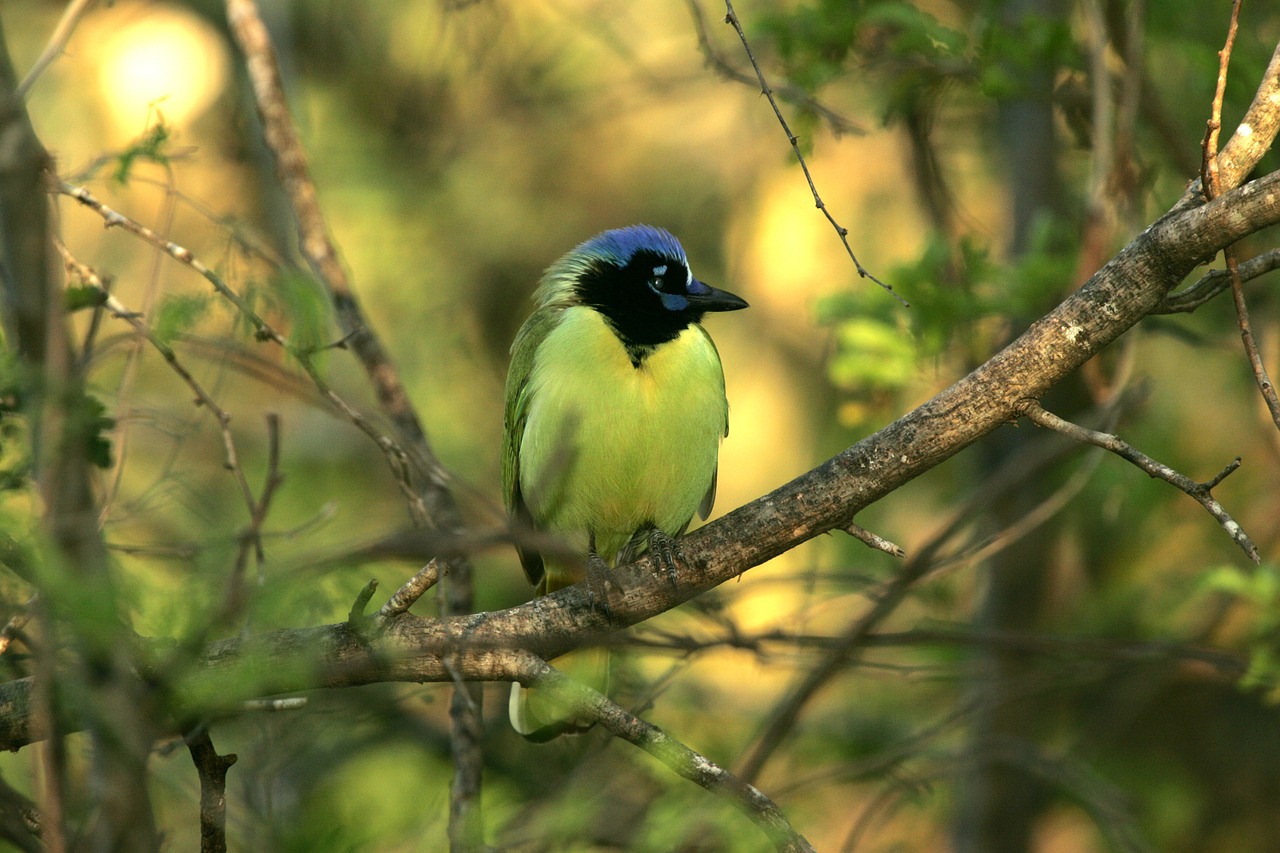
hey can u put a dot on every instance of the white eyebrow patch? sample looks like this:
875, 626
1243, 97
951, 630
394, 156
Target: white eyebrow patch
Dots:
660, 270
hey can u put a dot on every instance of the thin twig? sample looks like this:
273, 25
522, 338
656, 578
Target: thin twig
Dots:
1200, 491
1209, 179
57, 43
1260, 375
315, 242
395, 455
1209, 162
90, 278
684, 761
361, 602
731, 18
1227, 665
432, 502
114, 219
411, 591
273, 481
1256, 131
838, 123
871, 540
1216, 281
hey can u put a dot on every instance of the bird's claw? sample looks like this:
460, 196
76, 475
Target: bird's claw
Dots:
600, 585
664, 555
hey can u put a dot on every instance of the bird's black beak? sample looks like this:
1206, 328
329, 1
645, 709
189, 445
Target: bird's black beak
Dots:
704, 297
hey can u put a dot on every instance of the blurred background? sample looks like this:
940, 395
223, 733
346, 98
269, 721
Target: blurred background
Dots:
1086, 662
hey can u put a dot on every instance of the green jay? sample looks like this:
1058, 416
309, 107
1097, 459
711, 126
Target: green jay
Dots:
615, 408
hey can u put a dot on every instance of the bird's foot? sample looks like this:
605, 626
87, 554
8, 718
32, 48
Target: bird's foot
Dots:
600, 585
664, 554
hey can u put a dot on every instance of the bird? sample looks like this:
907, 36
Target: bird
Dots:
615, 409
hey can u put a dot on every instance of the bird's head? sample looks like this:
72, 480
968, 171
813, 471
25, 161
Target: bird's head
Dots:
638, 278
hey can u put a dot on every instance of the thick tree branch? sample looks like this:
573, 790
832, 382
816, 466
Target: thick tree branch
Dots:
482, 646
212, 769
1253, 138
1211, 183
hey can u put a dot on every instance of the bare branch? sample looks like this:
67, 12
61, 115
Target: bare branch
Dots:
432, 503
57, 43
362, 601
684, 761
1209, 167
1256, 131
1263, 380
838, 123
1157, 470
1213, 187
1216, 281
873, 541
411, 591
212, 769
315, 242
731, 18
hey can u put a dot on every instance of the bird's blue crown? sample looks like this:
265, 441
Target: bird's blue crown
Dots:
620, 245
616, 247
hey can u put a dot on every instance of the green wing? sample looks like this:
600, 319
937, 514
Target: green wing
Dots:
709, 499
529, 338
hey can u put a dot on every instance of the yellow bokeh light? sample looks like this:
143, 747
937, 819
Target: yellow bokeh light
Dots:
156, 56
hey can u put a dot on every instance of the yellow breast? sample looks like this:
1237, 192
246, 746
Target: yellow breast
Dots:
611, 448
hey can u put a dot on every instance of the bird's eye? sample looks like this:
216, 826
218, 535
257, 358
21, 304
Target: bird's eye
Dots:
663, 280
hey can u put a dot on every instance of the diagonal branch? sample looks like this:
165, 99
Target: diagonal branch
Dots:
1212, 184
838, 123
1202, 492
1215, 281
314, 240
590, 704
479, 646
434, 495
731, 18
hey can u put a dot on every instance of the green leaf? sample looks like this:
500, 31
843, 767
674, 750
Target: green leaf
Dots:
306, 308
178, 313
97, 443
79, 298
149, 147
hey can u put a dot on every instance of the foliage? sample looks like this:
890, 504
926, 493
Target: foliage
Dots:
1258, 589
151, 147
457, 151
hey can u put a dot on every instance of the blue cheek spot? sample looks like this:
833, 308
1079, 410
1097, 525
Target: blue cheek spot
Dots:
673, 301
